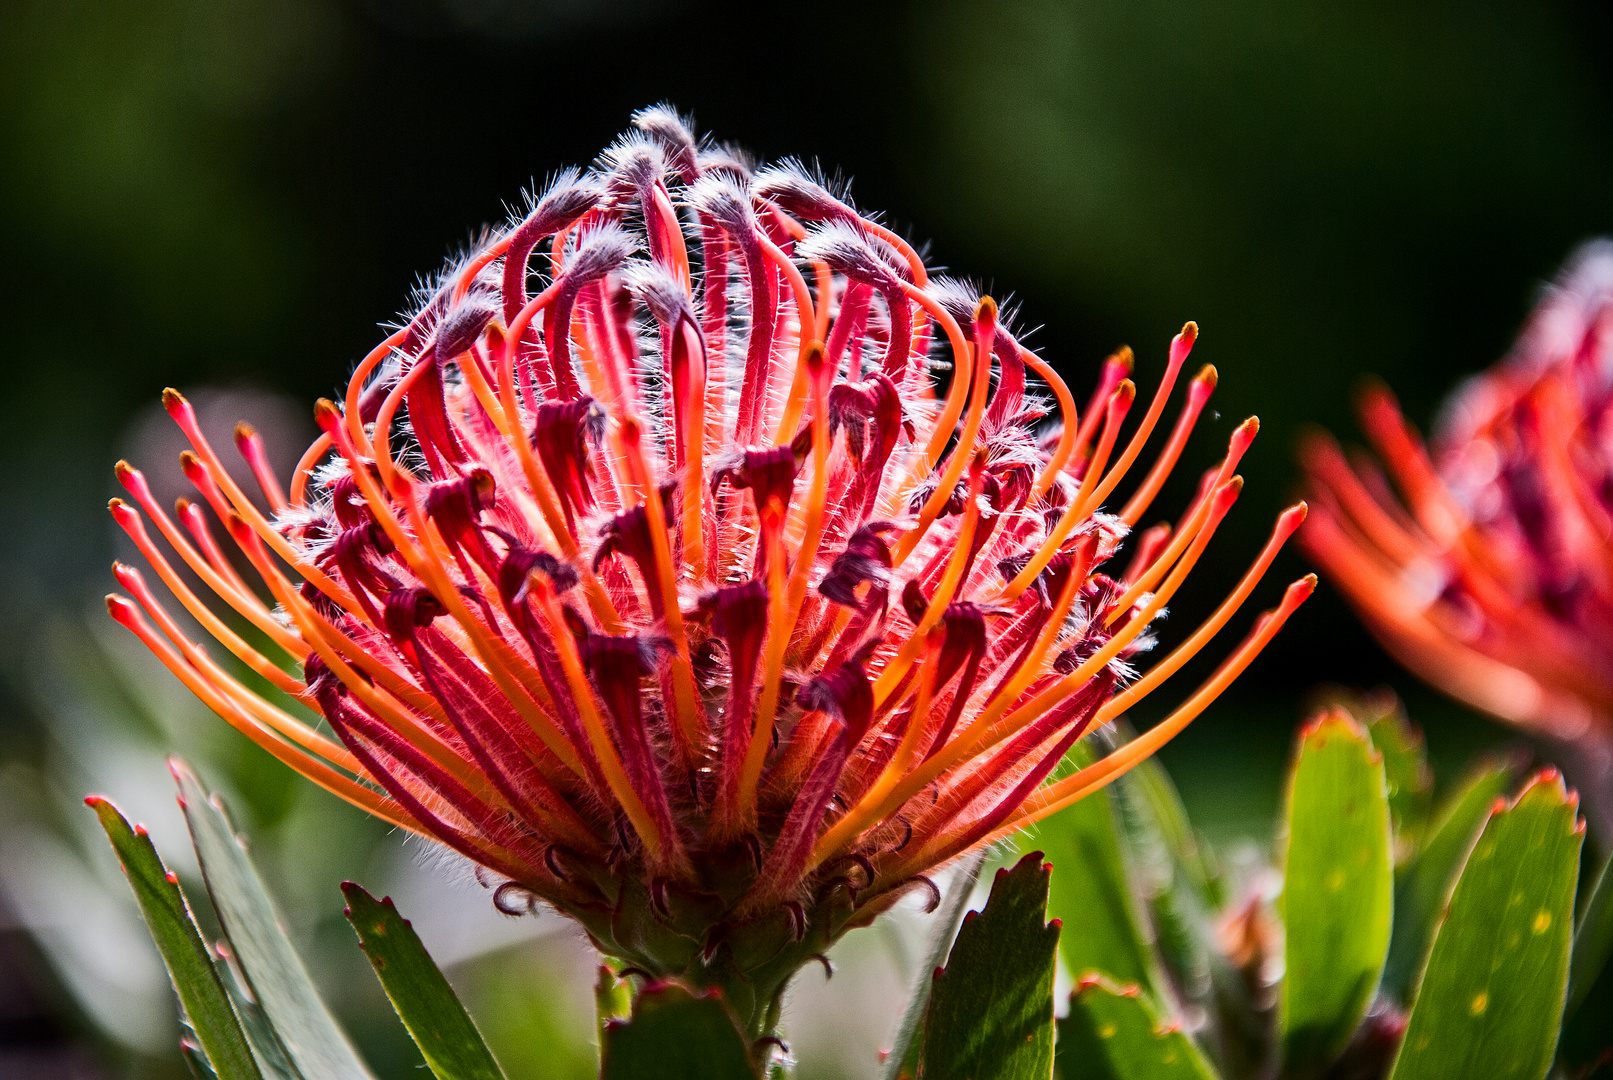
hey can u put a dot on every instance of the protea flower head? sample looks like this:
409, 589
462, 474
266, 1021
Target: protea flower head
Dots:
1489, 573
682, 596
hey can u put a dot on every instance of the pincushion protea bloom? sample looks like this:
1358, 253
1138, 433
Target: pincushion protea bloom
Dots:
1491, 579
678, 596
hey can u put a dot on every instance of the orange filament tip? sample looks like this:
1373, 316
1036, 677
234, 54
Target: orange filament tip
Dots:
1190, 332
1207, 377
327, 415
1124, 394
244, 432
814, 356
1124, 359
986, 310
630, 430
174, 401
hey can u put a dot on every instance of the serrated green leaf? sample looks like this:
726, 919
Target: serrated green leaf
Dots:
991, 1009
260, 1035
1338, 890
424, 1001
201, 995
279, 981
1114, 1034
1405, 767
1093, 889
1425, 885
1593, 939
903, 1060
1491, 998
675, 1035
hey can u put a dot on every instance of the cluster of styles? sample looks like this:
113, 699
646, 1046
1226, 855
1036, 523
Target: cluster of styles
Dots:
682, 595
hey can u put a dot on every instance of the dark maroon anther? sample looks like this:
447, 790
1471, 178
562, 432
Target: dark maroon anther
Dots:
962, 648
871, 413
671, 133
629, 534
347, 503
570, 196
844, 695
740, 616
316, 598
795, 191
561, 434
601, 251
407, 610
459, 331
914, 602
351, 552
869, 261
616, 665
866, 558
456, 507
657, 892
638, 175
428, 414
768, 473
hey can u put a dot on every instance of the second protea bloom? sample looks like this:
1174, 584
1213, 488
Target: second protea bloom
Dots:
1489, 574
648, 567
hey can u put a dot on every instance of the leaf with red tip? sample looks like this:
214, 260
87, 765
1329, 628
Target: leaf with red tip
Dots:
201, 995
274, 971
1491, 998
424, 1001
1338, 890
675, 1034
1113, 1033
991, 1010
1425, 884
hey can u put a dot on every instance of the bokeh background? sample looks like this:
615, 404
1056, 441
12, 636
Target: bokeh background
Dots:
228, 196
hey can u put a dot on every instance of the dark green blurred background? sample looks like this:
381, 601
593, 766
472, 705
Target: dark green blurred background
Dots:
229, 194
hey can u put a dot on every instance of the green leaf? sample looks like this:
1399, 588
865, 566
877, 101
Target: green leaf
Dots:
1093, 890
1492, 995
271, 1056
279, 982
1338, 890
1405, 767
903, 1060
991, 1010
424, 1001
1113, 1033
202, 996
1425, 885
675, 1035
1593, 939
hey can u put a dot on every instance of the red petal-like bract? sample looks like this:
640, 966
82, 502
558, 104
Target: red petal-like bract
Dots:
591, 574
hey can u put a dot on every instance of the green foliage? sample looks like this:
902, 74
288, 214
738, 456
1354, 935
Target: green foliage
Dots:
675, 1034
1112, 1033
1098, 897
280, 984
1221, 974
1338, 886
903, 1060
437, 1022
991, 1010
1425, 885
1491, 999
219, 1043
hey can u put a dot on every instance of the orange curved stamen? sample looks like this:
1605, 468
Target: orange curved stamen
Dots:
1066, 400
1197, 394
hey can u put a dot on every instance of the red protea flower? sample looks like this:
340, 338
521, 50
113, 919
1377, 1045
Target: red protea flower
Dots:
1492, 578
595, 586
